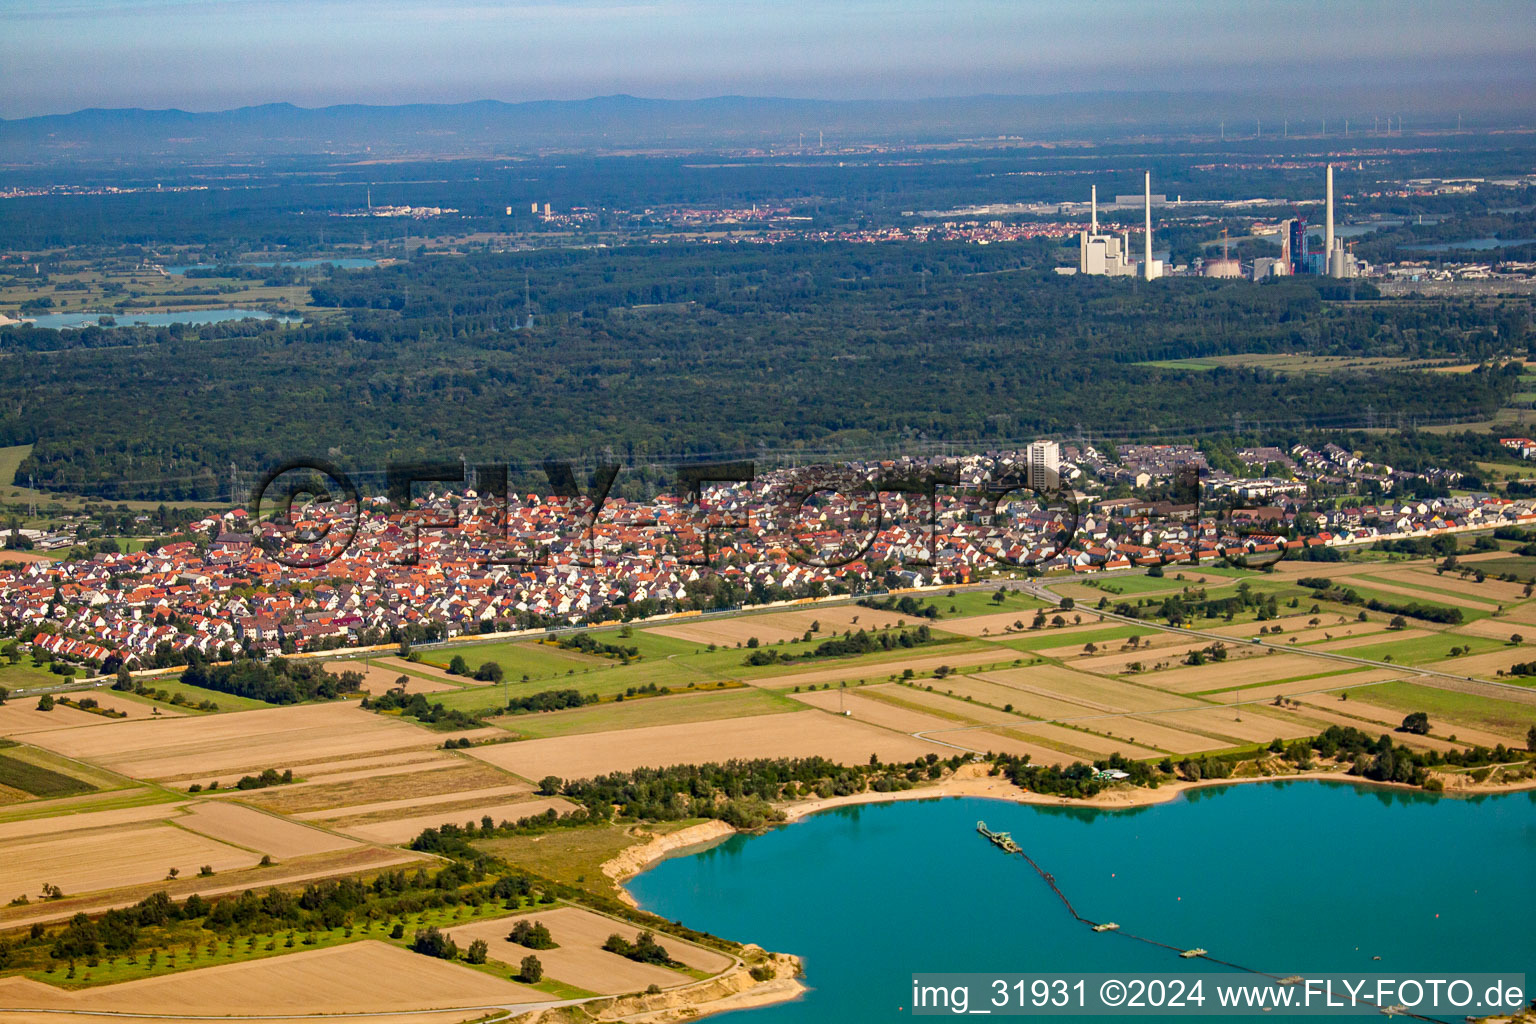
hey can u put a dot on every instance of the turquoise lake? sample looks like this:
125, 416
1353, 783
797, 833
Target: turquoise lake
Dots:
343, 262
67, 321
1283, 877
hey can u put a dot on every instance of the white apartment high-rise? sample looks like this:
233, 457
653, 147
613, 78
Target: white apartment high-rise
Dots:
1044, 464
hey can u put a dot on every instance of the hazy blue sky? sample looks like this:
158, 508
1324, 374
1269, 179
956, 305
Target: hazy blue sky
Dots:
60, 55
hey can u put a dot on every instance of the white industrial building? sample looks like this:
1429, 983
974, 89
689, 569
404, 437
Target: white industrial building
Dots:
1109, 255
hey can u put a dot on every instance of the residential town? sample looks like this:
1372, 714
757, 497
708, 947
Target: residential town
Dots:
539, 562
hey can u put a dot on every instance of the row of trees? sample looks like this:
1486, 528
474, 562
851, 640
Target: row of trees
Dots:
276, 681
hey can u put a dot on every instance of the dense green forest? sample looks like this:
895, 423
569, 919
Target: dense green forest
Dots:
653, 353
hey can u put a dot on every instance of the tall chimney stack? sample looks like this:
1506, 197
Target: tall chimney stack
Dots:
1095, 200
1328, 219
1147, 267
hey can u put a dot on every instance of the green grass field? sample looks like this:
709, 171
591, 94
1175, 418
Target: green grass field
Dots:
1520, 566
26, 673
1044, 638
691, 662
196, 694
522, 657
38, 781
573, 855
979, 602
1448, 708
1422, 649
10, 458
1179, 364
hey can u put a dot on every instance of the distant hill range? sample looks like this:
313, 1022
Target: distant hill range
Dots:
616, 123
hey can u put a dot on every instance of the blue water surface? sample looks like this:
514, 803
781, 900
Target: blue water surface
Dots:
1285, 877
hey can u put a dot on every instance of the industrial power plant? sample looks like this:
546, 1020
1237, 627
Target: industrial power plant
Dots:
1106, 254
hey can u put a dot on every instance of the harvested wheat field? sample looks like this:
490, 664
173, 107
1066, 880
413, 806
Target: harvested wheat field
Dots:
1341, 680
403, 830
359, 977
864, 708
1089, 738
245, 826
1032, 702
1157, 730
1126, 733
84, 820
452, 775
1492, 590
1120, 660
1297, 623
773, 627
586, 966
984, 689
405, 763
1486, 665
837, 618
20, 717
794, 734
1057, 683
1416, 592
387, 808
1500, 628
1219, 675
130, 707
1292, 567
580, 959
10, 557
354, 861
127, 854
325, 772
1146, 643
1247, 724
864, 668
378, 679
953, 708
1011, 741
1001, 625
1524, 614
248, 741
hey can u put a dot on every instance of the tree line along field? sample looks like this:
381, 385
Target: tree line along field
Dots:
1007, 673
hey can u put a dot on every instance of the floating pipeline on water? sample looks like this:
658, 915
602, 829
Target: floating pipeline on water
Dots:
1005, 842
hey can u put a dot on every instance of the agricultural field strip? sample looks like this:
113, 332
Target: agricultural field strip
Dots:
333, 865
361, 977
791, 734
311, 773
1369, 588
468, 773
248, 741
1453, 584
1439, 595
411, 803
403, 830
1390, 718
1430, 676
1278, 682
